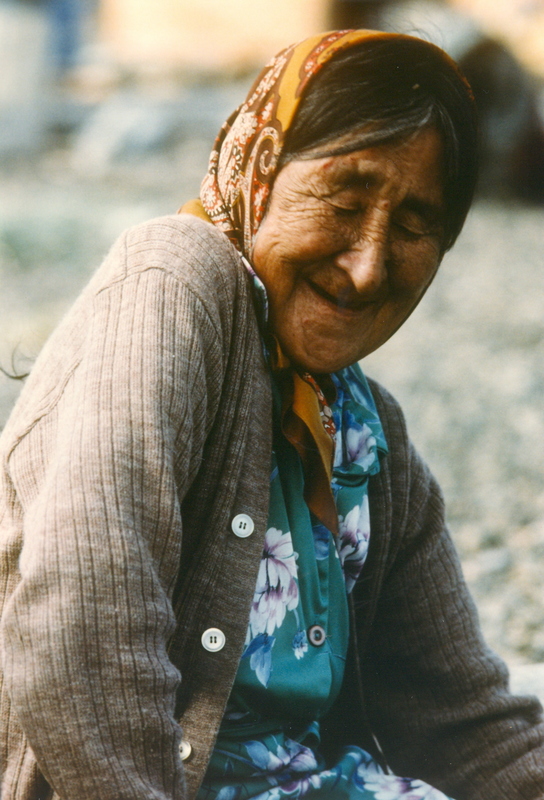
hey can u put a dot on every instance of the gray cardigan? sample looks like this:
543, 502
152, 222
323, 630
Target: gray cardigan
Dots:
142, 431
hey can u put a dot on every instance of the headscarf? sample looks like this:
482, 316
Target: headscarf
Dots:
242, 167
234, 197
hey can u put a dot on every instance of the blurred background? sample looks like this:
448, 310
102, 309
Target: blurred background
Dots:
108, 110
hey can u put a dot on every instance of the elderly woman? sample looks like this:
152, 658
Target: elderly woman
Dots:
225, 570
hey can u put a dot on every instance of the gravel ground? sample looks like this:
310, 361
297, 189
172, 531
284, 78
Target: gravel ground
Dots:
468, 367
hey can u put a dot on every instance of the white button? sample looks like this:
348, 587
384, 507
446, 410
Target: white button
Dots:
213, 640
242, 525
185, 749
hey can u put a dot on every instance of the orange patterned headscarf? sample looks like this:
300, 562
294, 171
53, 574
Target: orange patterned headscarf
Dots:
243, 163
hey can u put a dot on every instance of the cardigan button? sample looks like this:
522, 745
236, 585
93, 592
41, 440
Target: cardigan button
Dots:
185, 749
242, 525
213, 640
316, 635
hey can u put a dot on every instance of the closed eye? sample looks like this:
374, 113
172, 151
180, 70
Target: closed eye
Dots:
346, 211
413, 225
415, 219
412, 231
345, 203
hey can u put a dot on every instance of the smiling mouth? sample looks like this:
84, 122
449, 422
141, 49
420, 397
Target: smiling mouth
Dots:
344, 301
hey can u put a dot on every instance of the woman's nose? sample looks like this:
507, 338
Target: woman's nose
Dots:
365, 263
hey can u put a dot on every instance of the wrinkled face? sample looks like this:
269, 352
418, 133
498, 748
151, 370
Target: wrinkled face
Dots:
348, 247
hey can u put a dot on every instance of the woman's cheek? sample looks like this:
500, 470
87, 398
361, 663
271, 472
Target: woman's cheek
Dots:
319, 239
412, 267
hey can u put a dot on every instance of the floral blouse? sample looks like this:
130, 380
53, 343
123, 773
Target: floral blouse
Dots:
305, 572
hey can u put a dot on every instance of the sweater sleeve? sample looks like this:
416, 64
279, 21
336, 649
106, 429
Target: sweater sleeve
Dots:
85, 631
437, 696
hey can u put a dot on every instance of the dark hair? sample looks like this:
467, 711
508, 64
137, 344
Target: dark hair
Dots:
386, 89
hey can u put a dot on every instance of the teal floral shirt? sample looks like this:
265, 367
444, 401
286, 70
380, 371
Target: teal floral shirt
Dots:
305, 573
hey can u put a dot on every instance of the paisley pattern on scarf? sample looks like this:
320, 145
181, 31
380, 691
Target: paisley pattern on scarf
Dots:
243, 162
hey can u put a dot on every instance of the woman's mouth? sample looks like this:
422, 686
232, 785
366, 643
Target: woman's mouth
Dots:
342, 299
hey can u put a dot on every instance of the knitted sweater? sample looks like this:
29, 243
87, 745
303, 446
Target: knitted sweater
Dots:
142, 431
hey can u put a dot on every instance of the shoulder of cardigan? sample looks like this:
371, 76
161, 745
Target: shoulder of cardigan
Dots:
192, 251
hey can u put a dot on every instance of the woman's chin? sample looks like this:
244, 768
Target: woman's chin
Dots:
318, 360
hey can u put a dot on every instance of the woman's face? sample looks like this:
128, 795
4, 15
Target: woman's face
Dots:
348, 247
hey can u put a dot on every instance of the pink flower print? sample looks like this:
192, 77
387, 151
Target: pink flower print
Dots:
280, 769
277, 589
302, 758
292, 789
354, 533
389, 787
359, 444
267, 762
302, 786
293, 757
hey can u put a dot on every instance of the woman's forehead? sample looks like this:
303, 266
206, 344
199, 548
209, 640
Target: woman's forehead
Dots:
418, 161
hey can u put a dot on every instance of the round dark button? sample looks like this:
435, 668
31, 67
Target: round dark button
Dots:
316, 635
